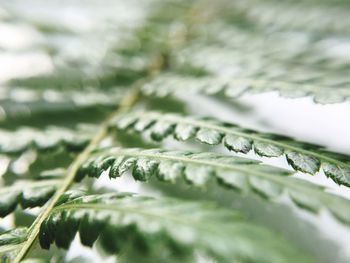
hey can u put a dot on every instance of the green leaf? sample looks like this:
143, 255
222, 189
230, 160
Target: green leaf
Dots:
268, 150
27, 194
234, 172
233, 87
15, 236
10, 243
209, 136
237, 143
304, 157
78, 97
289, 16
20, 103
217, 48
304, 163
48, 139
264, 46
171, 227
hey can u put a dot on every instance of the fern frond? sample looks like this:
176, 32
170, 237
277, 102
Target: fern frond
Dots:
24, 102
198, 168
304, 157
10, 242
242, 59
48, 139
40, 147
171, 227
284, 49
301, 15
233, 87
97, 62
28, 194
77, 96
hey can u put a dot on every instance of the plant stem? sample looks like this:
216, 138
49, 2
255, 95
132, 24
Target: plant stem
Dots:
126, 104
158, 64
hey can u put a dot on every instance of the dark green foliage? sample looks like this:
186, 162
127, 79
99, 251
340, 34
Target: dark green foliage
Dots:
52, 100
50, 139
12, 237
10, 242
169, 227
27, 194
106, 63
303, 157
197, 168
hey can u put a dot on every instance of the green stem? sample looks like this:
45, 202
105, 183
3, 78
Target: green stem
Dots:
129, 100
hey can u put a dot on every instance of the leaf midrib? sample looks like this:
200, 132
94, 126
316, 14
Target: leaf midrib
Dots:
201, 124
202, 225
277, 179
